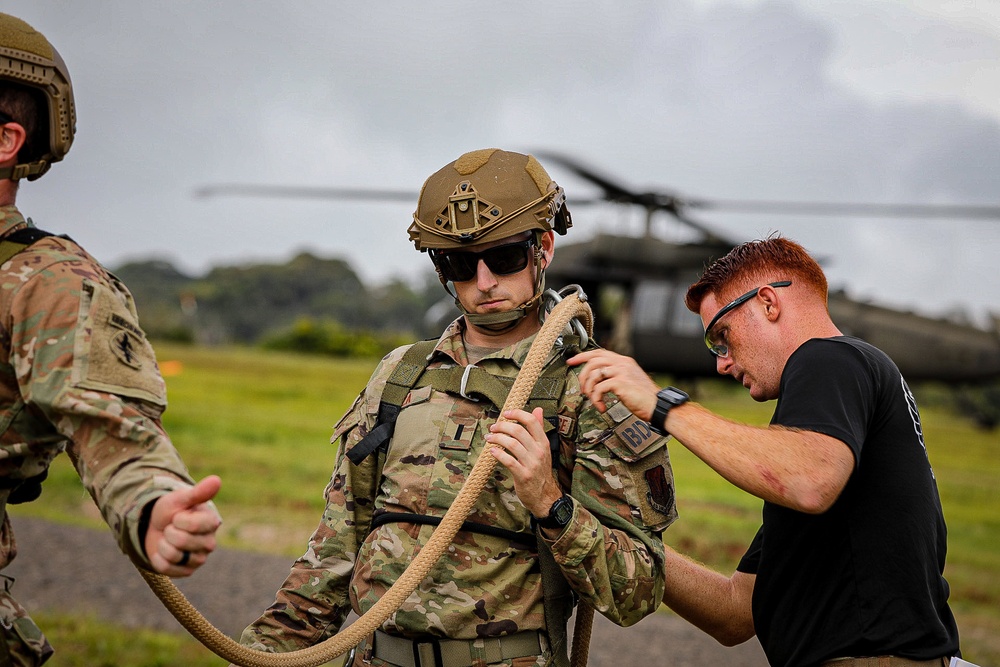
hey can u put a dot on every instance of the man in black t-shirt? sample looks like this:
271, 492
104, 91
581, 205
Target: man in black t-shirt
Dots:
847, 564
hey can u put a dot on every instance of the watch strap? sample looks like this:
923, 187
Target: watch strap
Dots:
558, 517
666, 399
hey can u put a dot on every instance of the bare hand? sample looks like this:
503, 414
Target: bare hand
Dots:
182, 528
606, 371
523, 448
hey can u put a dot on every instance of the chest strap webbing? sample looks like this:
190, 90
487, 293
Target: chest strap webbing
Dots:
467, 381
527, 541
471, 381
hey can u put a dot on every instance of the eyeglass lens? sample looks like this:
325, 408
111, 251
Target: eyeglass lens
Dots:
502, 260
716, 343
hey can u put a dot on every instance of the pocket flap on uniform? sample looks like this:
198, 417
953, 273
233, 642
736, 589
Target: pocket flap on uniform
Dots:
416, 396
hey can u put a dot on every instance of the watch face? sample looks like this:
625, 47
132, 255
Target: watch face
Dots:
562, 511
673, 396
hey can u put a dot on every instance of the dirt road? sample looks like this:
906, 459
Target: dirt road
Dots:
63, 569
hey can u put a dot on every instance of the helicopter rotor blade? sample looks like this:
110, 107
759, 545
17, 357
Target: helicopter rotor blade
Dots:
320, 192
303, 192
613, 191
847, 209
676, 204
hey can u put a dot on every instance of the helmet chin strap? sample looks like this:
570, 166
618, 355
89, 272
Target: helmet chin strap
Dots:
25, 170
495, 323
498, 323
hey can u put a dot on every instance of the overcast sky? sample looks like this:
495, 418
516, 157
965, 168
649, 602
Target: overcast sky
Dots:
854, 100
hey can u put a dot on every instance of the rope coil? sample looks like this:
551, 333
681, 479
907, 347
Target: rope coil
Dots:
227, 648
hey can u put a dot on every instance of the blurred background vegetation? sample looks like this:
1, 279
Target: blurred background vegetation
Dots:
262, 420
308, 304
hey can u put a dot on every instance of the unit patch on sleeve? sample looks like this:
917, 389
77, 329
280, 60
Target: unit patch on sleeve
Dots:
111, 352
660, 492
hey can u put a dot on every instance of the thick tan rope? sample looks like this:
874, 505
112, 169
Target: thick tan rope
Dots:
231, 650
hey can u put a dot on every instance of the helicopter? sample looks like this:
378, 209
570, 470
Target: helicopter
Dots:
637, 283
643, 281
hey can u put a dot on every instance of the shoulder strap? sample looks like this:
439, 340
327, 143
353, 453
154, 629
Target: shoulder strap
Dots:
402, 379
558, 597
17, 241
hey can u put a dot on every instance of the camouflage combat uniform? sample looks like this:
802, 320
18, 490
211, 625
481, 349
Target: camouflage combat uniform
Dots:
76, 374
618, 472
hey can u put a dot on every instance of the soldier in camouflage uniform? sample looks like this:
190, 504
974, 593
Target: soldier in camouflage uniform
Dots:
76, 372
487, 221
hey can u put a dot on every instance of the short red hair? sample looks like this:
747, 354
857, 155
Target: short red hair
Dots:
759, 262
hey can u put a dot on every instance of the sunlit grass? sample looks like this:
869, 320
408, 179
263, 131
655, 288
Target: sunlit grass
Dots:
82, 641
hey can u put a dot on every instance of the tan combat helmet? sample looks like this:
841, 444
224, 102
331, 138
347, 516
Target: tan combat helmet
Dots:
28, 59
487, 195
483, 196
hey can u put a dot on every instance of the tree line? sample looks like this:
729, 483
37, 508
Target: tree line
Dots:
309, 304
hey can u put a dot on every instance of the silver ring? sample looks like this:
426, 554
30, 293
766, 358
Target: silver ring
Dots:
185, 557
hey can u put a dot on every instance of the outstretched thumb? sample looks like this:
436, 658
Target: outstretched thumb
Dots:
201, 492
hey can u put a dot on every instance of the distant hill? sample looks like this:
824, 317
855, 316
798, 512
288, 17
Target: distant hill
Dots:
246, 303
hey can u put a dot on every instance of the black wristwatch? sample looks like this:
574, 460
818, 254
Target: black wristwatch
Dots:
560, 513
667, 398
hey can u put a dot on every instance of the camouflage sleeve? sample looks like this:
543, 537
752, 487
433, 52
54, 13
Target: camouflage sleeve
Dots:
622, 486
84, 365
314, 600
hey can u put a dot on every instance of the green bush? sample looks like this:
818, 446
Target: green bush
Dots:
330, 338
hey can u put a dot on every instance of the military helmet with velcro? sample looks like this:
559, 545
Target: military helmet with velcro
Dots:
486, 195
28, 59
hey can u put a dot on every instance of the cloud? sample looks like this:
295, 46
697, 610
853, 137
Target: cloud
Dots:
765, 100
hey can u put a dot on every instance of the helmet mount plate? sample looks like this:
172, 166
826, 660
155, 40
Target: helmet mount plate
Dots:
467, 213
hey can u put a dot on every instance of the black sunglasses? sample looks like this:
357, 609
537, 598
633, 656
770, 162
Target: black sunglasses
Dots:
721, 348
4, 118
503, 260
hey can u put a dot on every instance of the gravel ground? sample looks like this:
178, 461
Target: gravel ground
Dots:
87, 573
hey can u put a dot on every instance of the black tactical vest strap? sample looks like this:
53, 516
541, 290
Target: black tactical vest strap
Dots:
17, 241
526, 541
399, 384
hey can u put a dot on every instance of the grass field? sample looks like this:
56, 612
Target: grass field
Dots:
262, 421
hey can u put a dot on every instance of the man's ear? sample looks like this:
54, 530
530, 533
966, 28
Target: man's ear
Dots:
12, 138
772, 305
548, 242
